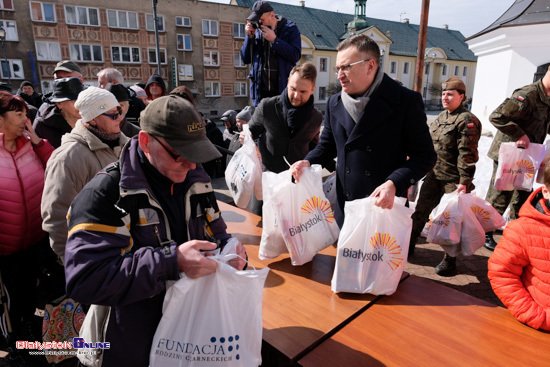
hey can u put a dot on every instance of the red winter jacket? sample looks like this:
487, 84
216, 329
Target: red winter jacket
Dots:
21, 186
519, 269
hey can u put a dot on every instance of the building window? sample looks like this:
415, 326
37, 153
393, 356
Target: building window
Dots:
427, 71
393, 67
47, 86
153, 55
122, 19
238, 30
240, 89
209, 27
444, 70
211, 58
90, 53
184, 42
12, 69
456, 70
11, 29
183, 22
406, 67
42, 12
6, 4
465, 71
212, 89
150, 24
81, 15
323, 64
322, 93
125, 54
48, 51
185, 73
238, 62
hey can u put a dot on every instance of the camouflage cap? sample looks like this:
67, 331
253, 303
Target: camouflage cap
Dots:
453, 83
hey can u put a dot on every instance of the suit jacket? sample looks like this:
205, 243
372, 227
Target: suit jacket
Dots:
391, 128
270, 125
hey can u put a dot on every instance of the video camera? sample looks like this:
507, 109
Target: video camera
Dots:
256, 24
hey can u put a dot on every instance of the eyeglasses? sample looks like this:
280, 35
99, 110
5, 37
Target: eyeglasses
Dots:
345, 68
115, 116
172, 154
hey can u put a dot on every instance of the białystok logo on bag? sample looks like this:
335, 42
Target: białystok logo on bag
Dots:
444, 219
481, 214
320, 208
215, 350
385, 248
529, 168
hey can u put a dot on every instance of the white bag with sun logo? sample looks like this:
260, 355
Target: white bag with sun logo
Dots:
304, 216
373, 248
517, 167
446, 225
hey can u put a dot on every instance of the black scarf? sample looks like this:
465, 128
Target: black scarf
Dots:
296, 117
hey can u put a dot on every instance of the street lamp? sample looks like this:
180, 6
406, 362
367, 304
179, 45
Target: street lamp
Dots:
3, 39
157, 34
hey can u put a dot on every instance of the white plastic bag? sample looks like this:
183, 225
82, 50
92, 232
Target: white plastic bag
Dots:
272, 243
213, 320
488, 217
373, 248
304, 216
446, 225
540, 174
517, 167
243, 174
472, 236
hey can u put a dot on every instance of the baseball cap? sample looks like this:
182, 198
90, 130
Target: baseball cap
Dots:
176, 120
258, 9
66, 65
453, 83
66, 89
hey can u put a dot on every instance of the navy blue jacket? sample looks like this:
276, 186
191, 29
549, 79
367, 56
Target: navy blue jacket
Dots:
391, 128
287, 46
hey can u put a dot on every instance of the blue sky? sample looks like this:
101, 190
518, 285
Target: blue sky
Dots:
467, 16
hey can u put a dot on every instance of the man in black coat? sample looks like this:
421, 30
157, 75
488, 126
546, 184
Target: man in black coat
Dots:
375, 127
288, 125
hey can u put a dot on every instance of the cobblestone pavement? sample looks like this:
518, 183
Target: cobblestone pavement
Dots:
471, 277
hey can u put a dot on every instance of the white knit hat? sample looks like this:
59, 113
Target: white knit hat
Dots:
94, 101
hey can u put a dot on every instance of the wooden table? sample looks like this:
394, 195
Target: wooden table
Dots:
427, 324
299, 308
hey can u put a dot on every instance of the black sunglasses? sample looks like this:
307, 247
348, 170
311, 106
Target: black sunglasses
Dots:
114, 116
172, 154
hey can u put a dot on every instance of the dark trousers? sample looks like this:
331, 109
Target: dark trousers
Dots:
501, 199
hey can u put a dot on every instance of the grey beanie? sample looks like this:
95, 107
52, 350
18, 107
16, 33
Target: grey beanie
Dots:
245, 114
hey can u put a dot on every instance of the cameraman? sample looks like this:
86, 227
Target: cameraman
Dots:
272, 46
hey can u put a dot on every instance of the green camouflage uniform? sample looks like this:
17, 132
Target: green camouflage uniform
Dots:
455, 136
526, 112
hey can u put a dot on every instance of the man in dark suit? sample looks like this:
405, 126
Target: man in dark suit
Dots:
375, 127
288, 125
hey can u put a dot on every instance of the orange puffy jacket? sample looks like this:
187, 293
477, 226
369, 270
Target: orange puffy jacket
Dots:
519, 269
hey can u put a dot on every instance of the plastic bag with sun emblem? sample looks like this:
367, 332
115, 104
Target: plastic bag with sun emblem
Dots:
305, 216
373, 248
517, 167
446, 225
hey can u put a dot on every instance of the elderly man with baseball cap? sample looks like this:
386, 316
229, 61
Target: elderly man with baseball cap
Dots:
139, 223
455, 134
